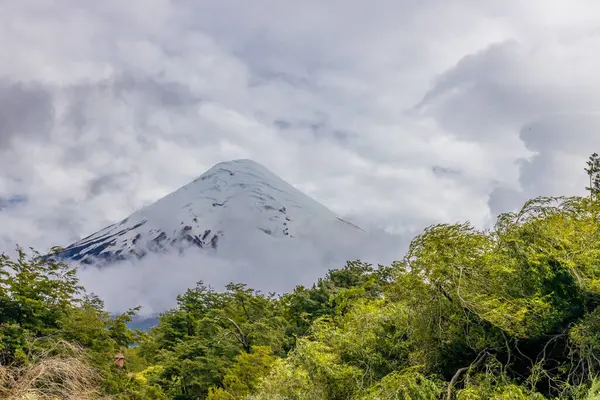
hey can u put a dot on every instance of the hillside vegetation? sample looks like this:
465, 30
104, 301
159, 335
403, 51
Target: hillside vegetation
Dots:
509, 313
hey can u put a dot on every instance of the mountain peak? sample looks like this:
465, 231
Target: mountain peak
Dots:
243, 165
233, 198
238, 162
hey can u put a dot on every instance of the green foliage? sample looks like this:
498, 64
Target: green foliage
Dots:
290, 382
593, 171
519, 302
373, 336
42, 304
405, 385
35, 295
244, 376
508, 313
198, 342
497, 392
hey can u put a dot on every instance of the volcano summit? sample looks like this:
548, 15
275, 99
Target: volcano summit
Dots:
232, 202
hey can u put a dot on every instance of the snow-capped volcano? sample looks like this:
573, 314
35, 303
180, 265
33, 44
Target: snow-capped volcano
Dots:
236, 199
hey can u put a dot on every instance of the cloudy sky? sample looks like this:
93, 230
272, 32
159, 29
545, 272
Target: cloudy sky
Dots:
395, 113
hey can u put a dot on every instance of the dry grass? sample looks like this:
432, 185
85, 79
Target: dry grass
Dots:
59, 373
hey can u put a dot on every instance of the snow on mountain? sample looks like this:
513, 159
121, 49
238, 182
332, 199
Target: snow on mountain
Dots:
235, 203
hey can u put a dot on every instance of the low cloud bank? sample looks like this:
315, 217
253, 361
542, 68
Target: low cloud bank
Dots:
264, 263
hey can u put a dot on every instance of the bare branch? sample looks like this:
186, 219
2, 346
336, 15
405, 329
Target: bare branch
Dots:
241, 338
460, 371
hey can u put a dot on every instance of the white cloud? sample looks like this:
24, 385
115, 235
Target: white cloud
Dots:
261, 261
397, 113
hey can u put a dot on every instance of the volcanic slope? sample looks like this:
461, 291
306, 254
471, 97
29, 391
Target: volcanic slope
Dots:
235, 200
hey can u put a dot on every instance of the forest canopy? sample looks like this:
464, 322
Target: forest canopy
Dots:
506, 313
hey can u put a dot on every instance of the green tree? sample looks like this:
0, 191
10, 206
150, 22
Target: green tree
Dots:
43, 307
332, 294
198, 342
36, 293
593, 171
245, 375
